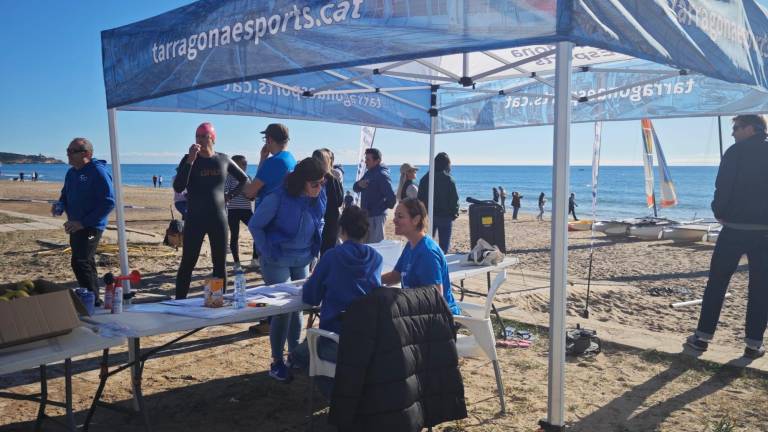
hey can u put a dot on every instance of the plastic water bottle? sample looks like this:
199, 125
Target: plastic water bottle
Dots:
239, 289
117, 301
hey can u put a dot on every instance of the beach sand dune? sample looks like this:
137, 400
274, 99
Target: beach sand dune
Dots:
216, 380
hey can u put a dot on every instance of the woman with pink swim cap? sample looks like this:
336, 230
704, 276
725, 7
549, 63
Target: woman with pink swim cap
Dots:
202, 172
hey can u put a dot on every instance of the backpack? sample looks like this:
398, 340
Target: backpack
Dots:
582, 342
174, 234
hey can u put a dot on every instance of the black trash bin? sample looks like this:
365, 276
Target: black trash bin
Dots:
486, 221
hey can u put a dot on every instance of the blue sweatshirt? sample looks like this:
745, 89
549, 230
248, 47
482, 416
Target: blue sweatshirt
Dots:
378, 196
343, 274
87, 195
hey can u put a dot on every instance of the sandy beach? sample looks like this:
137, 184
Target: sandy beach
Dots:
217, 379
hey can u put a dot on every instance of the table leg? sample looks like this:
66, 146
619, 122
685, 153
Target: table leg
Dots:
68, 394
136, 373
103, 376
462, 290
43, 398
133, 358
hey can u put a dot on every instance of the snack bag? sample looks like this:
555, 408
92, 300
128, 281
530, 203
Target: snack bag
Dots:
214, 293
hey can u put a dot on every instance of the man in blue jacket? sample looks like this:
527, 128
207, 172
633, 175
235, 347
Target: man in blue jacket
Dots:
87, 197
376, 194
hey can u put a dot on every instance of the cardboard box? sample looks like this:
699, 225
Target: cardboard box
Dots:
37, 317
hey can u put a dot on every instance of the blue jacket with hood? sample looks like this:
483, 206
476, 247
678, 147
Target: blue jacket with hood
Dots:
344, 273
87, 195
378, 196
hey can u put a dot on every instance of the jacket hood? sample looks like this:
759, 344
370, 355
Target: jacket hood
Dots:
358, 258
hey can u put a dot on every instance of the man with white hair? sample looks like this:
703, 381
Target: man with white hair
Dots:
87, 197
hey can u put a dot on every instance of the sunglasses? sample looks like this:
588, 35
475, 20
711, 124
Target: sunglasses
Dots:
317, 183
71, 151
202, 136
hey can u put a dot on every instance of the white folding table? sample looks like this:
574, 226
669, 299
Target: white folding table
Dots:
82, 340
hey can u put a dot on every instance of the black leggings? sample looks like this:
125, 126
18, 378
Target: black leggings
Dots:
195, 229
84, 243
234, 217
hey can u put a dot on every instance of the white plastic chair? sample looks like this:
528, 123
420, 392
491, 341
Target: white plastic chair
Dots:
318, 366
482, 342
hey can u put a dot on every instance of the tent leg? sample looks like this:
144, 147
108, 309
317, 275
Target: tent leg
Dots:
431, 195
559, 252
122, 242
117, 179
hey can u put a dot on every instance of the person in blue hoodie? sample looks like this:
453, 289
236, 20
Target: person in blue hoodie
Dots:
87, 197
343, 274
287, 229
376, 193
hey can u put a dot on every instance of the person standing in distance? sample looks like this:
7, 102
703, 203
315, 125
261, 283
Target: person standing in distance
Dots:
376, 194
87, 197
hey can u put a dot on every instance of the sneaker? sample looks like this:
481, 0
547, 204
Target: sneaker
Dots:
279, 371
290, 363
696, 343
754, 353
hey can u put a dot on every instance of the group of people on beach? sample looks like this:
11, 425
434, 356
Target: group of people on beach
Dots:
157, 181
22, 175
500, 196
297, 222
293, 212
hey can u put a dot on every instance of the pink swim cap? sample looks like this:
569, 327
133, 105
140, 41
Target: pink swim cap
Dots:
206, 129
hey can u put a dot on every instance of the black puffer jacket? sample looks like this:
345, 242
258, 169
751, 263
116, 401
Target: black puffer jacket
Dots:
397, 366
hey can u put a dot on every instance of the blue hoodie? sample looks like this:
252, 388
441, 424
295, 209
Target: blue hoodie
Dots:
344, 273
378, 196
87, 195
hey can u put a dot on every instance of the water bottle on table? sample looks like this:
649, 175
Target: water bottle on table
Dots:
239, 297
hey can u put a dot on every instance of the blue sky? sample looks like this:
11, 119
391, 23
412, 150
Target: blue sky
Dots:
52, 86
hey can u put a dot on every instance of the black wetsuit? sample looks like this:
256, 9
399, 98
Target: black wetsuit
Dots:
204, 182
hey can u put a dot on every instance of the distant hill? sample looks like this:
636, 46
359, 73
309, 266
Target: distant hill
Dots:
13, 158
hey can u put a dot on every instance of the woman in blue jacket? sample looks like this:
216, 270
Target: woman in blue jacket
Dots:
287, 231
422, 262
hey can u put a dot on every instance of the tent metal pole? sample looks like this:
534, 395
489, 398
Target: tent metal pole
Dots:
720, 135
122, 242
559, 251
117, 180
432, 129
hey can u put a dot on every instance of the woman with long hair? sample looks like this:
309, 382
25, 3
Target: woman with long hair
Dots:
407, 188
334, 192
287, 231
422, 262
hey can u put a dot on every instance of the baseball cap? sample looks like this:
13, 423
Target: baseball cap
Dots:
277, 131
404, 168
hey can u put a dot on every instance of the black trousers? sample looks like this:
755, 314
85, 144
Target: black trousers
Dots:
731, 245
195, 230
84, 244
234, 217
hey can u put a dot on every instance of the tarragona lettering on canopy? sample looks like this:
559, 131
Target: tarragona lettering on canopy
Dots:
255, 29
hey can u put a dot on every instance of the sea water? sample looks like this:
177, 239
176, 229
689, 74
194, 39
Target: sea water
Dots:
621, 192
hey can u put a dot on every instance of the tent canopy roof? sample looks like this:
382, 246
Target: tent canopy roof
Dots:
484, 64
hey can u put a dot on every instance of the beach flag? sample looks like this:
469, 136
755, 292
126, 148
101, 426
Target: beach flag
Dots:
648, 135
668, 194
596, 164
367, 134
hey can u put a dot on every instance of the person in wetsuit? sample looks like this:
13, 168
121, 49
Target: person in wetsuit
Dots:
202, 172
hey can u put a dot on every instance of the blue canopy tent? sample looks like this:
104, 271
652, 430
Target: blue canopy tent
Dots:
445, 66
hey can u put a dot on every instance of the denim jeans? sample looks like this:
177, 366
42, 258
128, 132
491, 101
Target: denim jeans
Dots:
514, 212
442, 225
285, 327
731, 245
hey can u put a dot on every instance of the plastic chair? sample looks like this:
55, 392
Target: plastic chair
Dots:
318, 366
482, 342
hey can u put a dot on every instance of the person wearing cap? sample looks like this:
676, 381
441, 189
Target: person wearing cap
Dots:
407, 188
202, 172
446, 200
376, 194
274, 164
